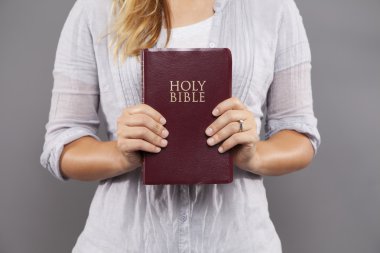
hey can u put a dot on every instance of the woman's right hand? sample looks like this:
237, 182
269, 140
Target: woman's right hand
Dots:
140, 128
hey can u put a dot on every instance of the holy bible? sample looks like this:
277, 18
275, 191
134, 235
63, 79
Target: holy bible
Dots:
184, 85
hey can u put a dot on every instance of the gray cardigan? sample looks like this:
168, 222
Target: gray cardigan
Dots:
271, 73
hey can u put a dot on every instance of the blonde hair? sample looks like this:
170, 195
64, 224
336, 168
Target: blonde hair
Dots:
137, 25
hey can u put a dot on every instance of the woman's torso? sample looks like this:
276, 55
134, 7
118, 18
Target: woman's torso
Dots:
127, 216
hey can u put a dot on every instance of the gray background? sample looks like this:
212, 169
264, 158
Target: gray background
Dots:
332, 206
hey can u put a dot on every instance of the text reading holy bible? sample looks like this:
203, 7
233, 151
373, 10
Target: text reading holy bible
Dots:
187, 91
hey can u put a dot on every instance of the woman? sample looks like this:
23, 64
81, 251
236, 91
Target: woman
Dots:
96, 64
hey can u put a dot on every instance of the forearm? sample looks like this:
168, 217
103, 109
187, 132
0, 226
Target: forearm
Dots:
285, 152
88, 159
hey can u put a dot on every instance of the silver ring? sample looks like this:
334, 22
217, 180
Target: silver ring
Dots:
241, 125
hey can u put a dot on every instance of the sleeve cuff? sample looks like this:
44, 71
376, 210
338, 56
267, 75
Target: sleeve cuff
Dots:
50, 156
299, 124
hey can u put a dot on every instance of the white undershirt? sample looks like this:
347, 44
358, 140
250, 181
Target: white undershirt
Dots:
190, 36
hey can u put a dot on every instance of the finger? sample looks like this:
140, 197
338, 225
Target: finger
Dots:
147, 121
245, 137
226, 118
224, 133
140, 132
228, 104
146, 109
130, 145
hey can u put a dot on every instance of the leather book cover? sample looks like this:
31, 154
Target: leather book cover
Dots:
184, 85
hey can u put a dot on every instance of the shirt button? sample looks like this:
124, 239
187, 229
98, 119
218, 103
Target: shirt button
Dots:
183, 217
212, 44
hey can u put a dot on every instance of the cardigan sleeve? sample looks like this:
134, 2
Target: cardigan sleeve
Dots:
289, 98
75, 93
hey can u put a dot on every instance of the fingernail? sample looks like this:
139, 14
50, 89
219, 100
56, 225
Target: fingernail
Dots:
210, 141
165, 133
209, 131
163, 120
220, 149
164, 142
215, 112
158, 149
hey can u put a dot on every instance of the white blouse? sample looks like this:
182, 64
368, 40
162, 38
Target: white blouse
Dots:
271, 75
195, 35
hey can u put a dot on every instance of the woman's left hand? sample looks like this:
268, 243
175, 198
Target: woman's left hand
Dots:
226, 128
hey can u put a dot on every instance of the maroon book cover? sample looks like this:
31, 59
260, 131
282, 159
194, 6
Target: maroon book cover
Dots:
184, 85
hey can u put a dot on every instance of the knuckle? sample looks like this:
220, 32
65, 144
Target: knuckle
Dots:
225, 132
221, 133
146, 119
121, 144
128, 120
140, 132
236, 100
229, 115
124, 133
158, 128
157, 139
121, 120
120, 132
125, 111
216, 137
143, 106
140, 119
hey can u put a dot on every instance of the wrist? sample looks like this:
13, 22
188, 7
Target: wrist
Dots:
124, 162
255, 163
117, 162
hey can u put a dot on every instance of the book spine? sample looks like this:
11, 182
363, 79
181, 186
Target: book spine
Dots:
142, 76
142, 101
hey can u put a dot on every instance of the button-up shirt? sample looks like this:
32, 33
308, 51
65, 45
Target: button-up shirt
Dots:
271, 76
